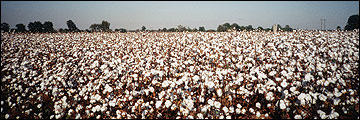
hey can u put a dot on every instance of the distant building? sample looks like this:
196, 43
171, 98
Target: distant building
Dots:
275, 28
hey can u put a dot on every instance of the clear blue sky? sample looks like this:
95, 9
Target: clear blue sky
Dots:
159, 14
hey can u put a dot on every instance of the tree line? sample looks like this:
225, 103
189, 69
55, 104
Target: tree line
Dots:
104, 26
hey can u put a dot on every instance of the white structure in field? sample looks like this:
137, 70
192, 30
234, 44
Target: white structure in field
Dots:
275, 28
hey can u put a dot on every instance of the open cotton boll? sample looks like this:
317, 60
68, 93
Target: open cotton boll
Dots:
217, 104
167, 104
282, 104
297, 117
258, 105
165, 83
284, 84
219, 92
158, 104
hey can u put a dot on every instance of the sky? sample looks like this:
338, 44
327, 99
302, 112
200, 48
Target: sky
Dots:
133, 15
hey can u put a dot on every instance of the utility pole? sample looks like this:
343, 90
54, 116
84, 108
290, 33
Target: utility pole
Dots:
324, 24
321, 23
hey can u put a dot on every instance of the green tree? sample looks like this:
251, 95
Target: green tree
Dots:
5, 27
105, 26
220, 28
31, 27
95, 27
202, 29
287, 28
164, 30
338, 28
235, 26
48, 27
181, 28
20, 28
249, 27
38, 27
260, 28
71, 25
143, 28
352, 23
226, 26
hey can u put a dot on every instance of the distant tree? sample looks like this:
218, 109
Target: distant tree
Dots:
249, 27
105, 26
122, 30
242, 28
287, 28
210, 30
221, 28
279, 26
20, 28
71, 25
48, 27
38, 27
227, 26
267, 29
260, 28
172, 30
5, 27
164, 30
338, 28
181, 28
352, 23
95, 27
194, 30
31, 27
235, 26
202, 29
143, 28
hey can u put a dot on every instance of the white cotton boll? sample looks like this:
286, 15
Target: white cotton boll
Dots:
243, 111
217, 104
231, 109
158, 104
239, 106
258, 114
167, 104
210, 84
196, 78
252, 110
308, 77
112, 103
219, 92
238, 111
292, 89
211, 102
297, 117
272, 73
258, 105
200, 116
165, 84
282, 104
221, 117
7, 116
269, 96
337, 101
284, 84
322, 97
225, 109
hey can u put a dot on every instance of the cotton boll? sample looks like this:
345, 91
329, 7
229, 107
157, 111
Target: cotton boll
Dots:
219, 92
217, 104
284, 84
282, 104
258, 114
297, 117
258, 105
167, 104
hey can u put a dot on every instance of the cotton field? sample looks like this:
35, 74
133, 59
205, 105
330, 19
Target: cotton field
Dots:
182, 75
